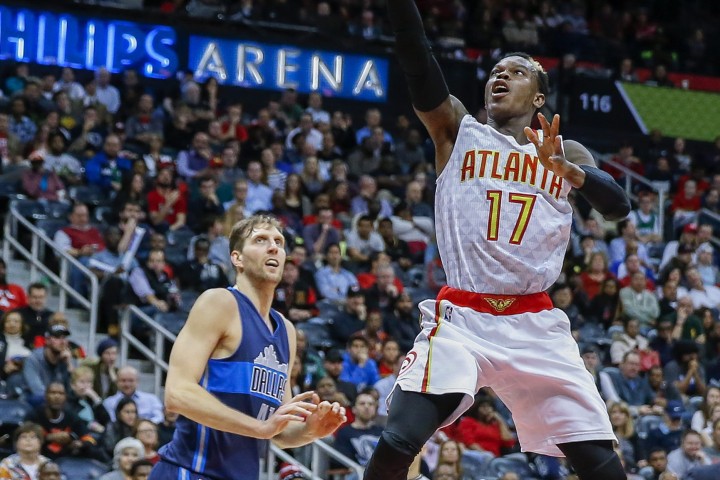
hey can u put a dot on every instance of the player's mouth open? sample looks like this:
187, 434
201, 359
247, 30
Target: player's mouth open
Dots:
272, 263
500, 89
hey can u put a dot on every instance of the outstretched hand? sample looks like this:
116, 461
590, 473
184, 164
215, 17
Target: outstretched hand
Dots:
327, 418
550, 150
299, 409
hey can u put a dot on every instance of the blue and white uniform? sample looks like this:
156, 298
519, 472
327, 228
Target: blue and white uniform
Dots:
252, 380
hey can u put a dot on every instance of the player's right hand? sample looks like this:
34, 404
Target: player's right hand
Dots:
296, 410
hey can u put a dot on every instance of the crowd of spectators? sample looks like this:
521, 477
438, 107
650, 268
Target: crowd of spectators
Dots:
355, 197
680, 37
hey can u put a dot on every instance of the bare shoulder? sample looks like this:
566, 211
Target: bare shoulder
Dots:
289, 326
443, 124
576, 153
214, 302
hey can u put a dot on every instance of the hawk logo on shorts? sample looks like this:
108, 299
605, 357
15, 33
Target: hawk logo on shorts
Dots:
407, 362
500, 304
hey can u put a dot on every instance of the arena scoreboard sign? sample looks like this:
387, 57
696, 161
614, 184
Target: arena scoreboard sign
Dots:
161, 51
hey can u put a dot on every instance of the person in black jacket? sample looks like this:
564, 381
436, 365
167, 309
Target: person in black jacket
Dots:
401, 323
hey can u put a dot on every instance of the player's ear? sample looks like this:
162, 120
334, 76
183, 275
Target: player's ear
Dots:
539, 100
236, 259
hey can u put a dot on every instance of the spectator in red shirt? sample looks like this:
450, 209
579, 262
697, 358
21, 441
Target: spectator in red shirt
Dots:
483, 429
232, 127
686, 204
166, 203
625, 157
12, 296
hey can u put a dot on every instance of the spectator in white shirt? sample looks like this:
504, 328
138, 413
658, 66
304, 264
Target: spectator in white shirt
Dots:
363, 241
702, 295
148, 404
67, 83
315, 109
106, 93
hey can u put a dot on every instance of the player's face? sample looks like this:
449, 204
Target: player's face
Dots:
263, 255
512, 89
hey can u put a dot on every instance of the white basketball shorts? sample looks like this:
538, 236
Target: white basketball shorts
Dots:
522, 348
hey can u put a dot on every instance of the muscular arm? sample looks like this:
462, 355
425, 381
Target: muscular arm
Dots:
440, 112
205, 330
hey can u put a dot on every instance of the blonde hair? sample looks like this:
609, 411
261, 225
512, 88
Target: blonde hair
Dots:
628, 429
244, 228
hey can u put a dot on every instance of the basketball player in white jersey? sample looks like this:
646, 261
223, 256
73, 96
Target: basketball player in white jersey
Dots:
503, 224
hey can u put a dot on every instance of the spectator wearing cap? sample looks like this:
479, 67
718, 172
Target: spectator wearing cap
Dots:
358, 368
706, 264
104, 368
290, 472
51, 363
689, 455
206, 204
702, 295
669, 434
333, 365
688, 236
334, 281
106, 169
58, 318
40, 183
148, 404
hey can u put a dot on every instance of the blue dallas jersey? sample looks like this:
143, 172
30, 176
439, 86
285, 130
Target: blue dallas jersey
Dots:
251, 380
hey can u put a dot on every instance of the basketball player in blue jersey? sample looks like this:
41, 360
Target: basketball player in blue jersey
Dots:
229, 367
503, 225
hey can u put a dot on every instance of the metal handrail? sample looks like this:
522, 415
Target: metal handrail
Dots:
127, 338
66, 260
660, 187
319, 447
275, 451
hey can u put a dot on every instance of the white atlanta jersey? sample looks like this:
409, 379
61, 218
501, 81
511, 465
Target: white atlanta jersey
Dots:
503, 220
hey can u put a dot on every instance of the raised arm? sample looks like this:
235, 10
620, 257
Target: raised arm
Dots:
575, 163
440, 112
203, 335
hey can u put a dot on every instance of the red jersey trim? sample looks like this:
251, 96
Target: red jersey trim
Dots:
497, 304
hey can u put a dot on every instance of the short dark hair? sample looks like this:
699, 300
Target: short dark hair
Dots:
143, 462
36, 286
540, 73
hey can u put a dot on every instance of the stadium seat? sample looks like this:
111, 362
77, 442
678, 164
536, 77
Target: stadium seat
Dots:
317, 335
187, 298
645, 424
498, 466
81, 468
58, 210
12, 412
180, 238
50, 225
89, 195
8, 188
173, 321
30, 209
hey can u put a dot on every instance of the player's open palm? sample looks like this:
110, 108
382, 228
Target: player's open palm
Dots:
550, 149
326, 419
298, 409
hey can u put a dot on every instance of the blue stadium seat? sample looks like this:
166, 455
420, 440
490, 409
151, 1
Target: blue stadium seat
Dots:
188, 298
8, 188
58, 210
89, 195
30, 209
13, 412
49, 226
173, 321
498, 466
317, 335
81, 468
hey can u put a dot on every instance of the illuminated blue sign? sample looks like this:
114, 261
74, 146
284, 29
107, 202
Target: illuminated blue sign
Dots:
257, 65
73, 41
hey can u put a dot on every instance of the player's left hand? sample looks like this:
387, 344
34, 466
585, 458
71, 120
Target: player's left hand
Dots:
327, 418
550, 150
